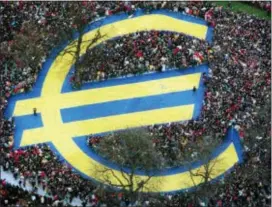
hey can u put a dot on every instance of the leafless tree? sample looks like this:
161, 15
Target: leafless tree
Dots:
79, 19
201, 177
74, 49
133, 150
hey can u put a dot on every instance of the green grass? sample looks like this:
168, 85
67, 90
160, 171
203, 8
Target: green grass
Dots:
246, 8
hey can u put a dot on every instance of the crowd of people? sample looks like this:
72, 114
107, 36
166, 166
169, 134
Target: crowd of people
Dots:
144, 52
237, 91
265, 5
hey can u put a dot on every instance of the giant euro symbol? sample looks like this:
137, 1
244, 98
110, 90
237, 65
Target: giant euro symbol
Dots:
64, 116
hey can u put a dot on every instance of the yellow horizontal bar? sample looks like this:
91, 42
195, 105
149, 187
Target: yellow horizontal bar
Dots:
137, 119
105, 124
92, 96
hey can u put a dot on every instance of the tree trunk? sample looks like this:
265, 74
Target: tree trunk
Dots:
77, 59
132, 196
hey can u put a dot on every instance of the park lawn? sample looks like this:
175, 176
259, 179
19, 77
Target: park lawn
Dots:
244, 7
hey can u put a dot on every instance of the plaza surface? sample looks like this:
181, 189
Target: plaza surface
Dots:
65, 116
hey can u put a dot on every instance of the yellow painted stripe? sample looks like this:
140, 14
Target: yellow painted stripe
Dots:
105, 124
76, 157
62, 64
99, 95
111, 123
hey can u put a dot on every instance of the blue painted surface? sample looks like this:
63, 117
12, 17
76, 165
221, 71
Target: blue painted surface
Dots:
237, 143
37, 87
230, 137
198, 104
111, 108
104, 21
111, 19
170, 72
209, 35
140, 12
29, 122
23, 123
116, 107
138, 104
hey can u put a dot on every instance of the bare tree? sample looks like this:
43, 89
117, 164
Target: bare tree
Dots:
201, 177
132, 150
79, 18
75, 48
